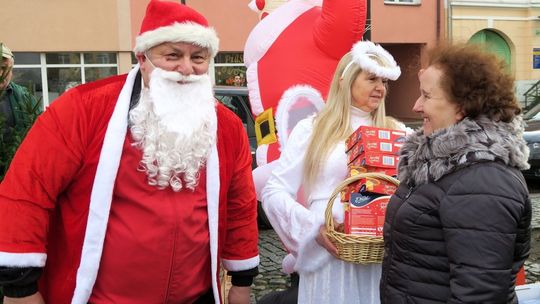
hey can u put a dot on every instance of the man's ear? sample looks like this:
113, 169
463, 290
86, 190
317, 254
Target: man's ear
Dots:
140, 58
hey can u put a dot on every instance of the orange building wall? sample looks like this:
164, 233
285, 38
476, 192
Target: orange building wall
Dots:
402, 94
138, 8
235, 27
391, 23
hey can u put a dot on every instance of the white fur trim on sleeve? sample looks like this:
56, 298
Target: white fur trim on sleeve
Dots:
239, 265
179, 32
8, 259
311, 256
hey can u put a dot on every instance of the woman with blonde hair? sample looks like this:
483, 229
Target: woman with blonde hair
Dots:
315, 158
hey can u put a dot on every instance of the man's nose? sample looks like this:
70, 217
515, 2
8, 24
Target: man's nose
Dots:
185, 66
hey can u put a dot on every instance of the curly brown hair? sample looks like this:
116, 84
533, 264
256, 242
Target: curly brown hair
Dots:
477, 81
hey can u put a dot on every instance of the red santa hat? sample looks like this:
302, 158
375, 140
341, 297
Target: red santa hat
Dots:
167, 21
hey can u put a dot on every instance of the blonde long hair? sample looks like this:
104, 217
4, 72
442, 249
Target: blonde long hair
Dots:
332, 124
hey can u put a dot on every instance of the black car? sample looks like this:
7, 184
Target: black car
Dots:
532, 136
237, 100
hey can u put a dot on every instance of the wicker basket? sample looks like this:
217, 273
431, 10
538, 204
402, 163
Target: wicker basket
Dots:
359, 249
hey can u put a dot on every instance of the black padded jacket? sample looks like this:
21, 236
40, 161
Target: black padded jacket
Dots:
457, 229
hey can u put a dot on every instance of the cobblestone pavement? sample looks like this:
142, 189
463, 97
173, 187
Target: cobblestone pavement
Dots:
532, 265
270, 277
271, 252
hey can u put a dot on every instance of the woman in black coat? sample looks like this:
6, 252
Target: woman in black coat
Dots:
457, 229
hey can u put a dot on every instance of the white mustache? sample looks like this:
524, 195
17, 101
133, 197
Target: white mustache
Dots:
177, 77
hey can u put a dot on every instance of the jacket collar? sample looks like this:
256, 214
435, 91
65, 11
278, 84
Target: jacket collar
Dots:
426, 159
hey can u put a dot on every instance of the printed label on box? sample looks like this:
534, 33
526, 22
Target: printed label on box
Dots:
365, 214
374, 146
373, 159
354, 170
365, 133
371, 185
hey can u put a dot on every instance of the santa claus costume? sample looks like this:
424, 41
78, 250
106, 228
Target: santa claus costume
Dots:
77, 203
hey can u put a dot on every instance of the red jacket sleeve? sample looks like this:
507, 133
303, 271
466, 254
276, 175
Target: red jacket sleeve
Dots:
43, 166
240, 251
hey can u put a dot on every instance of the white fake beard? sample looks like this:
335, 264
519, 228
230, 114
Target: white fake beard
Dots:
175, 127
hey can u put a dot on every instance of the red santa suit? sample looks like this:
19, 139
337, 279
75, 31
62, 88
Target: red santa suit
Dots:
56, 199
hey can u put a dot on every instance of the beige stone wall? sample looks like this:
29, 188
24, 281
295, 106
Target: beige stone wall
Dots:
519, 26
65, 25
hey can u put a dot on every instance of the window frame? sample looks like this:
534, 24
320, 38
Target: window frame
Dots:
43, 66
403, 2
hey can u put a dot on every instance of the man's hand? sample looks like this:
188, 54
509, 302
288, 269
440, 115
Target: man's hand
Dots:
237, 295
323, 240
33, 299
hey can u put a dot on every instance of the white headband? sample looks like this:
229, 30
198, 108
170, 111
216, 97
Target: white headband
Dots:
363, 53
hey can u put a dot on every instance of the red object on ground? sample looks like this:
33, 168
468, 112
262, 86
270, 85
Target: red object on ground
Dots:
520, 279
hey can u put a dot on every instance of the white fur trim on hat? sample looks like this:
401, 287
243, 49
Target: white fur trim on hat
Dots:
363, 53
179, 32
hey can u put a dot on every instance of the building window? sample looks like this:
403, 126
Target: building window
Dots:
50, 74
402, 1
229, 69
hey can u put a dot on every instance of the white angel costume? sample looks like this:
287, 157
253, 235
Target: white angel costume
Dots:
323, 278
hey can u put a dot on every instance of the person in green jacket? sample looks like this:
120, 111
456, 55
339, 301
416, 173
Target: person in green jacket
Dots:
18, 111
16, 103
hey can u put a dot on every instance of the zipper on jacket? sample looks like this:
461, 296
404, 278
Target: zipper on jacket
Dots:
411, 189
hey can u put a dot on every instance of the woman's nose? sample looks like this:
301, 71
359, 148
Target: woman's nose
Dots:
380, 85
418, 108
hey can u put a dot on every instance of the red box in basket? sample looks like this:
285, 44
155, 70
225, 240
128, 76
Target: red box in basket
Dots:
375, 159
372, 185
354, 170
365, 214
373, 145
365, 133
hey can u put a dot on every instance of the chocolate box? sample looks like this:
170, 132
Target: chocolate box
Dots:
375, 159
365, 213
371, 134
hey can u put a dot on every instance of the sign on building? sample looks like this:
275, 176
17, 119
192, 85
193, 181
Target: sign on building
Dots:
536, 58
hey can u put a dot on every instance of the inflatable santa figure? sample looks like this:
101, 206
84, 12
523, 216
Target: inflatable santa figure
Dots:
290, 56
